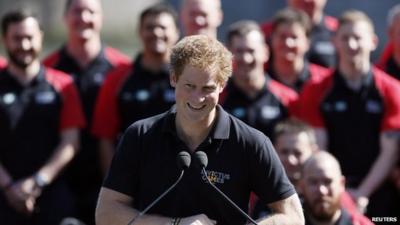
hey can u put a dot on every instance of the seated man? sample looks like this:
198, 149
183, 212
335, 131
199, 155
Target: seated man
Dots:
322, 186
295, 143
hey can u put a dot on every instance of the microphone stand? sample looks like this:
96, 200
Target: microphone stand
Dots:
157, 199
226, 197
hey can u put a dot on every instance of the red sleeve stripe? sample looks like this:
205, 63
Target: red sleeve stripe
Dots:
52, 59
3, 63
285, 94
318, 73
311, 97
387, 53
115, 57
106, 121
71, 112
331, 23
389, 88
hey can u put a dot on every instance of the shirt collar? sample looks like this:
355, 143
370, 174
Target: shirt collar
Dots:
100, 58
303, 77
366, 80
220, 130
141, 70
36, 80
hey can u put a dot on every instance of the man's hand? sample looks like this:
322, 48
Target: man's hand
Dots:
22, 195
200, 219
360, 200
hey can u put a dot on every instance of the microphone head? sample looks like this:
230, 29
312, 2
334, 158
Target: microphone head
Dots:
183, 160
201, 159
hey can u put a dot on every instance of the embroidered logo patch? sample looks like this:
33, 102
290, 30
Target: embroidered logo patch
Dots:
216, 177
45, 97
9, 98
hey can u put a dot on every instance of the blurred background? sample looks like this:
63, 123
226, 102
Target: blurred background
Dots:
121, 16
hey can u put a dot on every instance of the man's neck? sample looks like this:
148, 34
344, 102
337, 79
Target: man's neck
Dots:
252, 84
153, 62
317, 18
194, 133
84, 52
332, 221
25, 75
288, 72
353, 72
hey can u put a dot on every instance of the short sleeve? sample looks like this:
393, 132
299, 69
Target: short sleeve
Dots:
71, 110
106, 120
268, 177
123, 173
307, 108
390, 91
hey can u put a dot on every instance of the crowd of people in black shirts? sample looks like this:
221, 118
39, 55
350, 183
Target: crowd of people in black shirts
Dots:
303, 79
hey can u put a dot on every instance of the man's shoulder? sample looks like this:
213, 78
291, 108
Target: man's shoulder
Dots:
142, 126
116, 57
245, 133
53, 58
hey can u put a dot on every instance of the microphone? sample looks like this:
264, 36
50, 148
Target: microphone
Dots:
183, 160
201, 161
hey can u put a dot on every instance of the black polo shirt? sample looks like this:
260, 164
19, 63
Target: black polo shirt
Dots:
392, 68
145, 93
262, 111
353, 119
88, 81
31, 118
322, 51
240, 160
130, 94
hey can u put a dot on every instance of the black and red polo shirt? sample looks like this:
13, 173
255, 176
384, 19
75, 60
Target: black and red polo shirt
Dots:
130, 93
32, 117
353, 119
322, 51
263, 111
90, 79
310, 71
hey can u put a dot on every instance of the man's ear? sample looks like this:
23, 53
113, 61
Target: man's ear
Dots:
173, 79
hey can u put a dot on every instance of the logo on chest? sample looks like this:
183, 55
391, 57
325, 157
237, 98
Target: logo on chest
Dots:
338, 106
270, 112
9, 98
140, 95
373, 107
216, 177
45, 97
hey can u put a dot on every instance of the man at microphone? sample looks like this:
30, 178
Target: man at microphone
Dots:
241, 159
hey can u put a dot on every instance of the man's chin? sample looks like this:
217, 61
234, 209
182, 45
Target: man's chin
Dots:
22, 64
323, 211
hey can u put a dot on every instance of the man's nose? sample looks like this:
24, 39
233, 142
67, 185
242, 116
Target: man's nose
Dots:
26, 44
200, 20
